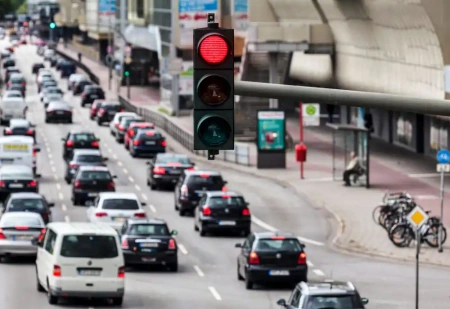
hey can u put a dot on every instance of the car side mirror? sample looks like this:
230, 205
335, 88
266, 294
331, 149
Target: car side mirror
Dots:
364, 301
38, 175
143, 203
281, 302
105, 159
51, 204
238, 245
174, 232
114, 176
225, 182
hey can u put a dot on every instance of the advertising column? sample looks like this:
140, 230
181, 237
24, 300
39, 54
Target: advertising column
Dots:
271, 140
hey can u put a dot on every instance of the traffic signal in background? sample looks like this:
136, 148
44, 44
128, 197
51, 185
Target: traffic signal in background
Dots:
52, 25
213, 88
126, 69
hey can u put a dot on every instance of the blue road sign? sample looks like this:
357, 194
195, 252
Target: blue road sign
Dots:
443, 156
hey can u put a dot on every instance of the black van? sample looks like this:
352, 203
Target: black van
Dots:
67, 68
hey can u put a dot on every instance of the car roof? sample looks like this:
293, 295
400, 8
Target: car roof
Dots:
147, 220
94, 168
125, 114
18, 122
81, 132
17, 139
328, 287
14, 169
76, 228
222, 193
26, 195
22, 214
86, 151
268, 234
202, 172
117, 195
12, 91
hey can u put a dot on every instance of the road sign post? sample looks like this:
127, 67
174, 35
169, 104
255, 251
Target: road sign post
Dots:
443, 157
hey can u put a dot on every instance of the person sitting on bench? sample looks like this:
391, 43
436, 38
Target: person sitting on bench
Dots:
353, 168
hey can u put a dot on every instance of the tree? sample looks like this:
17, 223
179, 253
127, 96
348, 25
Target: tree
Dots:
23, 8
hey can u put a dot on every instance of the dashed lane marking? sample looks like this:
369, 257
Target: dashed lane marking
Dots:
56, 177
61, 196
66, 218
152, 208
137, 187
52, 162
318, 272
131, 179
309, 263
48, 150
214, 292
114, 157
110, 150
64, 207
144, 197
125, 171
182, 249
50, 156
119, 163
53, 169
199, 271
58, 186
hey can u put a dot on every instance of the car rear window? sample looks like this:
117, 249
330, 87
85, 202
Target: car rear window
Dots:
95, 175
331, 301
149, 229
19, 175
95, 90
89, 246
89, 158
172, 159
224, 201
289, 244
54, 91
20, 221
120, 203
14, 95
84, 137
25, 204
112, 107
210, 182
149, 135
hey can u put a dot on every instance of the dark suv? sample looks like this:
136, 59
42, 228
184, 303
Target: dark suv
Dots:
327, 294
90, 94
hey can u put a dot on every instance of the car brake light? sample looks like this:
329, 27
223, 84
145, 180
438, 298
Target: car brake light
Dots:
150, 133
121, 128
21, 227
301, 258
184, 190
69, 143
224, 189
204, 175
226, 196
34, 153
172, 245
190, 169
77, 184
41, 236
278, 238
23, 84
101, 214
73, 165
164, 143
101, 111
8, 131
2, 184
83, 95
111, 185
159, 171
137, 142
140, 215
32, 183
122, 110
125, 243
30, 132
174, 164
131, 133
206, 211
121, 272
253, 258
2, 236
245, 212
9, 84
94, 144
56, 271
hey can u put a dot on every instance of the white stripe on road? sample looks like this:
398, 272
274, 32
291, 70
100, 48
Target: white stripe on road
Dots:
51, 162
137, 187
54, 169
214, 292
318, 272
144, 197
125, 171
66, 218
64, 207
119, 163
114, 157
309, 263
130, 179
61, 196
58, 186
50, 155
425, 175
182, 249
199, 271
56, 177
152, 208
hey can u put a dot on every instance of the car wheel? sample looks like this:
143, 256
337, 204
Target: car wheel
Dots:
99, 122
173, 267
195, 226
239, 276
52, 299
182, 212
70, 121
39, 286
248, 283
117, 301
152, 187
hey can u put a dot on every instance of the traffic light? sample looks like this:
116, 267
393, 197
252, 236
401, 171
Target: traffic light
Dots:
126, 69
213, 88
52, 25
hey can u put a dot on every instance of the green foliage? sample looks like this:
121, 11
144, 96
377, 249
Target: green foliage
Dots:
23, 8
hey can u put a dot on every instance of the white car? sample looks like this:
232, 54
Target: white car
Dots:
12, 94
49, 53
114, 208
52, 97
80, 259
50, 90
43, 75
114, 124
73, 78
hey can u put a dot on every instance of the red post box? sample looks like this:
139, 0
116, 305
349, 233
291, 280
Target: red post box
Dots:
300, 152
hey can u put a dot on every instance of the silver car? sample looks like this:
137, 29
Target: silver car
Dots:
17, 230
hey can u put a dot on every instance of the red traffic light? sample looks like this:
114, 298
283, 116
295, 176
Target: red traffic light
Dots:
213, 49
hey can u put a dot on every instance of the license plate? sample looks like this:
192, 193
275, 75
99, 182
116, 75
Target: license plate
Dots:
227, 223
147, 245
150, 143
24, 237
175, 172
89, 273
60, 113
278, 273
16, 185
118, 219
92, 194
148, 259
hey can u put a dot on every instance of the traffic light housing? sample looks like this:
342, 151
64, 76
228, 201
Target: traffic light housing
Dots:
52, 25
213, 88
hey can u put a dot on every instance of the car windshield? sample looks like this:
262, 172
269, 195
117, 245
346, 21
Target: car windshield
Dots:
20, 221
149, 230
172, 159
89, 246
89, 158
119, 203
53, 90
95, 175
126, 123
84, 137
25, 204
269, 244
331, 301
14, 94
209, 182
224, 201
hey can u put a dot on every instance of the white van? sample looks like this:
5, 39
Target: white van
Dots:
82, 260
18, 150
12, 108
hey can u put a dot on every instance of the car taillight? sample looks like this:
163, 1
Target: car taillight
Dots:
2, 236
164, 143
32, 183
224, 189
121, 272
77, 184
23, 84
2, 184
101, 214
253, 258
206, 211
56, 271
111, 185
94, 144
121, 128
190, 169
301, 259
125, 243
30, 132
245, 212
73, 165
101, 111
9, 84
137, 142
41, 236
159, 171
122, 110
117, 125
8, 131
83, 95
140, 215
34, 153
69, 143
172, 245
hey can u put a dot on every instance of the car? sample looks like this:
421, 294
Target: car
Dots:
79, 140
271, 257
9, 62
17, 87
17, 80
113, 208
80, 260
17, 231
66, 68
107, 111
220, 211
9, 71
20, 126
149, 242
46, 83
73, 78
17, 178
123, 127
5, 54
58, 111
29, 202
78, 86
94, 108
147, 143
89, 181
51, 97
58, 63
83, 157
12, 105
132, 130
166, 168
327, 294
44, 74
90, 94
114, 124
12, 94
53, 60
48, 90
191, 186
36, 66
48, 54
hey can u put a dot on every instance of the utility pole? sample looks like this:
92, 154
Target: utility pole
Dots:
109, 50
123, 18
175, 98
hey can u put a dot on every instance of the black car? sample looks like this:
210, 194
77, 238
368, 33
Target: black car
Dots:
271, 257
124, 124
29, 202
54, 60
222, 211
36, 67
78, 86
107, 111
9, 71
147, 143
192, 185
83, 157
20, 127
327, 294
60, 61
9, 63
79, 140
166, 168
17, 178
67, 68
149, 242
89, 181
91, 93
18, 80
57, 112
17, 87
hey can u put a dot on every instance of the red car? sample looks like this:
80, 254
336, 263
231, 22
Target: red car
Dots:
134, 127
94, 108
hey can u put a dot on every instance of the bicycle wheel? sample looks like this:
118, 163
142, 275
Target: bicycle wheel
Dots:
431, 236
400, 235
376, 214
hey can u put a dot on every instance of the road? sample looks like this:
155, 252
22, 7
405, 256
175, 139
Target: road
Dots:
207, 273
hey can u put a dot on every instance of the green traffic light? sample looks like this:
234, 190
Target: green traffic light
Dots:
127, 73
52, 25
213, 131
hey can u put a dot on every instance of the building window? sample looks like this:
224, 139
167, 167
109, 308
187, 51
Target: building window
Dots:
438, 135
140, 9
162, 4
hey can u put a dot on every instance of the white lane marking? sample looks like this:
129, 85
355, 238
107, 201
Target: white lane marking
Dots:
144, 197
119, 163
137, 187
106, 145
130, 179
199, 271
52, 162
152, 208
54, 169
58, 186
125, 171
270, 228
48, 150
114, 157
64, 207
56, 177
182, 249
109, 150
426, 197
61, 196
425, 175
318, 272
309, 263
66, 218
214, 292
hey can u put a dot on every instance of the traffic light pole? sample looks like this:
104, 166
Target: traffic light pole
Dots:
175, 97
52, 34
128, 87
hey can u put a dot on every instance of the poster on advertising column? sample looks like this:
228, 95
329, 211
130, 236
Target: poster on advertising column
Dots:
271, 128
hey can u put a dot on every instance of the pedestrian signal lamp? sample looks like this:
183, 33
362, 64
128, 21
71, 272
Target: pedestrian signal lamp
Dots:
213, 88
52, 25
126, 73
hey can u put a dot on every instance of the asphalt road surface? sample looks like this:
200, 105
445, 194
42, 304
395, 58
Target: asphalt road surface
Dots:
207, 273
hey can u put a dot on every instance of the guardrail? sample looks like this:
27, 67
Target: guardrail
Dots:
81, 66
